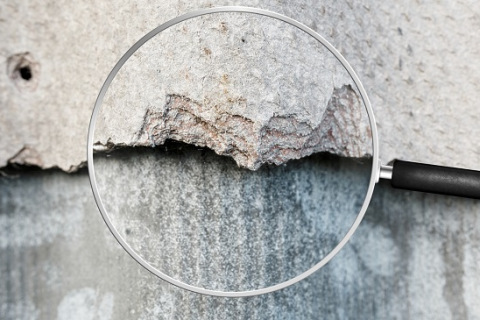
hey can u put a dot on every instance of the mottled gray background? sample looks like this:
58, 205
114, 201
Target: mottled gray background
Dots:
201, 219
415, 256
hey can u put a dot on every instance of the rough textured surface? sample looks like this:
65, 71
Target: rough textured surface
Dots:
342, 130
246, 86
415, 256
204, 221
418, 63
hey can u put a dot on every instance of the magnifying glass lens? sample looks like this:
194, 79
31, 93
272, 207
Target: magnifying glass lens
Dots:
232, 152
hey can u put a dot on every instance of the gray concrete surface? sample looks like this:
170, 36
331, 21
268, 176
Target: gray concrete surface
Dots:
247, 86
201, 219
417, 60
415, 256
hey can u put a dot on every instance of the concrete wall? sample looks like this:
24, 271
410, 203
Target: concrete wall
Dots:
415, 256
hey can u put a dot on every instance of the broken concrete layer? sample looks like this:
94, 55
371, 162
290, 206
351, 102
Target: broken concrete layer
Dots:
423, 85
245, 86
249, 87
343, 130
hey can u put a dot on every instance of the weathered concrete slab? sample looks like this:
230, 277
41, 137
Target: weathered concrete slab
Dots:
343, 130
246, 86
414, 257
204, 221
418, 63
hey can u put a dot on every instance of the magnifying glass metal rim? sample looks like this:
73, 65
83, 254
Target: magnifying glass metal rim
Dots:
91, 170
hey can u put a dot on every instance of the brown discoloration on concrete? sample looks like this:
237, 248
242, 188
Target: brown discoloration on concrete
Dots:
344, 130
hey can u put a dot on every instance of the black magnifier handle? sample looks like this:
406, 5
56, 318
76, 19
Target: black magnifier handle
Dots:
433, 179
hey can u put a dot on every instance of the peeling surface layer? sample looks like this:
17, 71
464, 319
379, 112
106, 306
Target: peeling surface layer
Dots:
343, 130
415, 256
248, 87
417, 61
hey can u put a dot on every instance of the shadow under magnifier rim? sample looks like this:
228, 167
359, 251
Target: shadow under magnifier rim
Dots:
270, 14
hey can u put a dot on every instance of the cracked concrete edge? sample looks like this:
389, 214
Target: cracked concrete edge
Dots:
272, 119
343, 130
29, 157
422, 89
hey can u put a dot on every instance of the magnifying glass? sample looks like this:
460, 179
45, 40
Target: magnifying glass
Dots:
298, 129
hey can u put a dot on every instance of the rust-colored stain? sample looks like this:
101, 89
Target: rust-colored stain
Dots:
207, 51
225, 79
342, 130
223, 27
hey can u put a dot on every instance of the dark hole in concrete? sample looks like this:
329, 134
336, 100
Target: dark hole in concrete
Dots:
25, 73
23, 70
